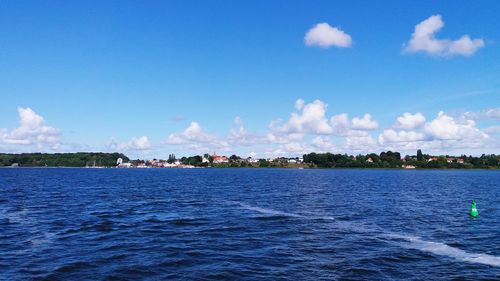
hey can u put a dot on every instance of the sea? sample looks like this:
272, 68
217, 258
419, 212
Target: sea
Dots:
248, 224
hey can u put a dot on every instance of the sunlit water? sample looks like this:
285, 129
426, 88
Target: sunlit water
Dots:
248, 224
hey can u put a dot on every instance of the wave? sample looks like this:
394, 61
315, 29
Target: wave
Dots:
443, 249
417, 243
266, 211
14, 216
44, 238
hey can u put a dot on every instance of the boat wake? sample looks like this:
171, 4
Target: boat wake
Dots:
411, 242
443, 249
269, 212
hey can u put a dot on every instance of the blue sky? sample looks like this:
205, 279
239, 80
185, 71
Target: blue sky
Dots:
134, 76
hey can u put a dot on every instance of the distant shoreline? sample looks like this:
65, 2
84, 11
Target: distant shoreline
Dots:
384, 160
263, 168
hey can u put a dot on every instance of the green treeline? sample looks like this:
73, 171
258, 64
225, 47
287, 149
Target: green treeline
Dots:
391, 159
387, 159
79, 159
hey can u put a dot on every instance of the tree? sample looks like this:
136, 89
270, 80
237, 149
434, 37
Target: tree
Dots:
78, 159
263, 163
420, 156
234, 158
171, 158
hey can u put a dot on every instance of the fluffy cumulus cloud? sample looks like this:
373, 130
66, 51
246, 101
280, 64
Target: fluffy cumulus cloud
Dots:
445, 127
192, 134
364, 123
325, 36
410, 121
310, 118
195, 138
357, 127
310, 128
140, 143
423, 40
31, 131
341, 124
392, 136
443, 133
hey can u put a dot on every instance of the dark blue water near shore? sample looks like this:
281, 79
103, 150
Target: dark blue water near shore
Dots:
248, 224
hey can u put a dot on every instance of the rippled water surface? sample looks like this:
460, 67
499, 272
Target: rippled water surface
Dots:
248, 224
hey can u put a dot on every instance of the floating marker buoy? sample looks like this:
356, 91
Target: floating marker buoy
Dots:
473, 210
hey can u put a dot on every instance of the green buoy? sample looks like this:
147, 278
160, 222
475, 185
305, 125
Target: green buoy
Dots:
473, 209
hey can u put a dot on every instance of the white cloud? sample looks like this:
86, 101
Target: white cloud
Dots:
299, 104
360, 144
289, 149
423, 40
410, 121
325, 36
492, 113
442, 134
392, 136
239, 135
193, 133
141, 143
356, 127
492, 130
31, 131
445, 127
311, 119
340, 124
309, 129
323, 144
195, 138
294, 147
365, 123
283, 138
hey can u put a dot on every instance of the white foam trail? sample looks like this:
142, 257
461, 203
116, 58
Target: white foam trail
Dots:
15, 216
443, 249
340, 224
437, 248
267, 211
45, 238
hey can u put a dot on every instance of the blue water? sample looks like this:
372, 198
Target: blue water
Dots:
248, 224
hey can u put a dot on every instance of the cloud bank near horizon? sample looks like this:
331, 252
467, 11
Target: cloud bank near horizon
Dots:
309, 128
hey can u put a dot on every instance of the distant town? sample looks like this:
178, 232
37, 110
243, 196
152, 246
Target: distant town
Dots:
210, 161
386, 159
